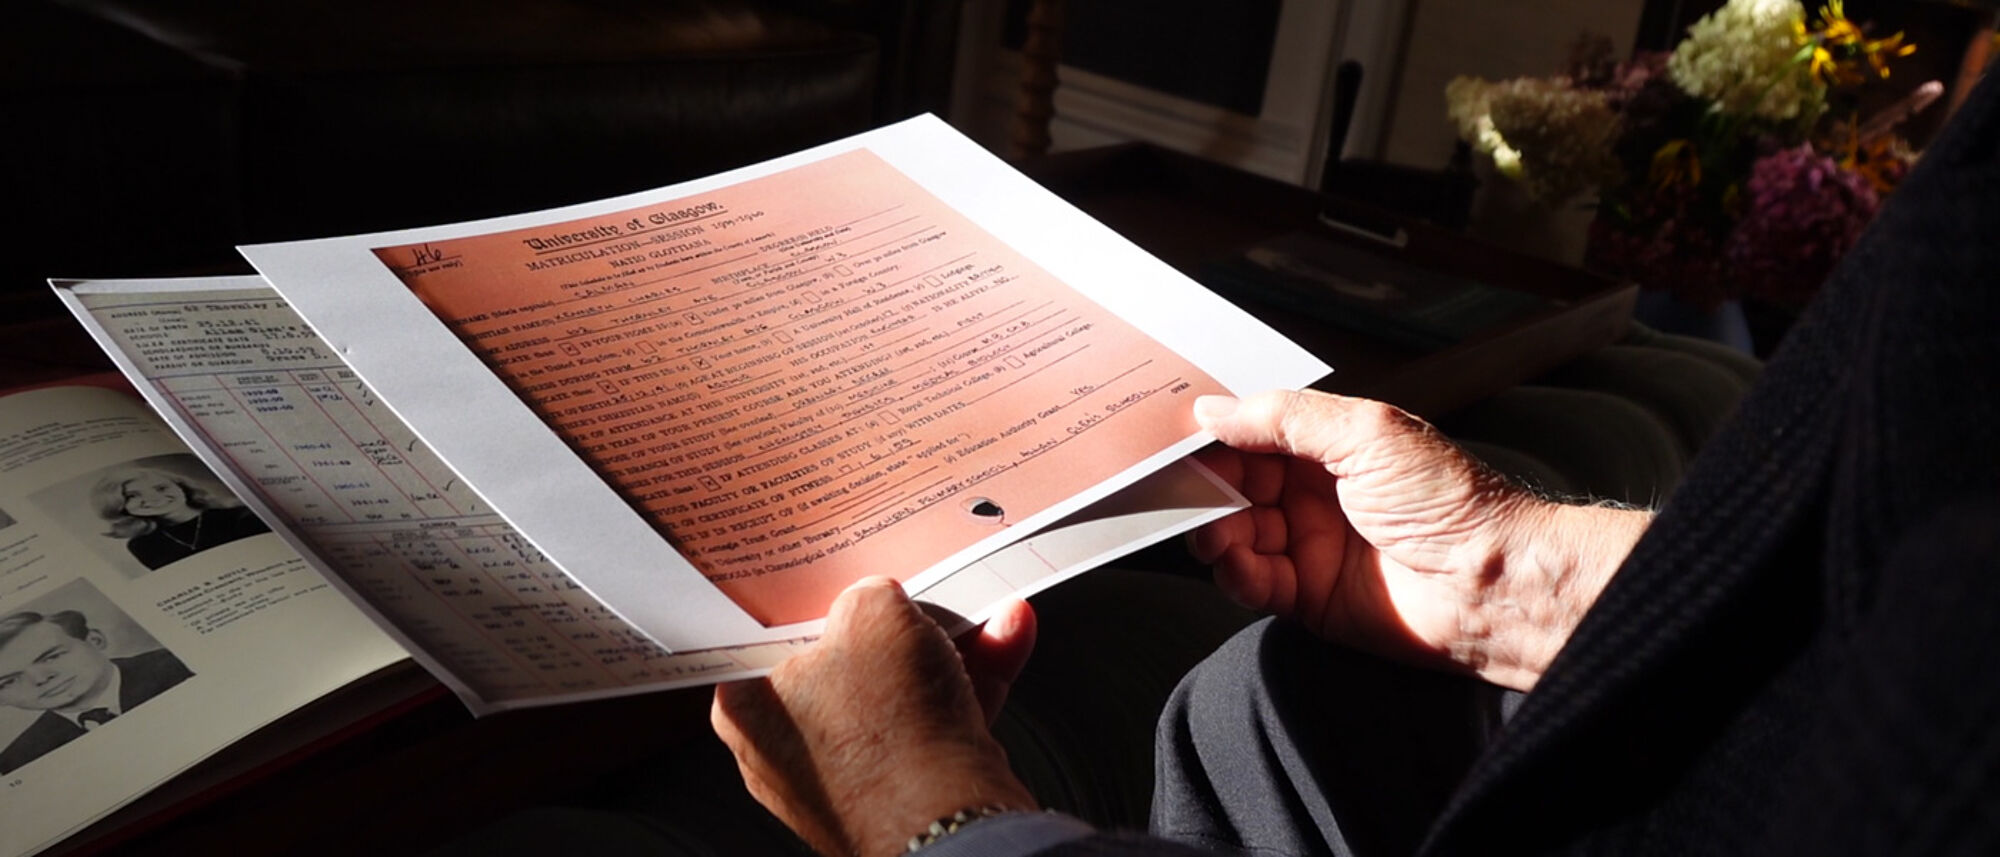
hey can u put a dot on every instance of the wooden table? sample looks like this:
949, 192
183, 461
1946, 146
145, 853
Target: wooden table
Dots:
1192, 213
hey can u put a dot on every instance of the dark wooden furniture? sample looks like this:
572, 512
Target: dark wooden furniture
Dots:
156, 135
1191, 212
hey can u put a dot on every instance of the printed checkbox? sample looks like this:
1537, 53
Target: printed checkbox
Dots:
783, 336
571, 350
647, 347
1015, 363
842, 270
932, 280
609, 388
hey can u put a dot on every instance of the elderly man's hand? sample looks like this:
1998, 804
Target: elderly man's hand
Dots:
879, 728
1369, 527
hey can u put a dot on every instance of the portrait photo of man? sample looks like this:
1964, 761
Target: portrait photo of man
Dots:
59, 665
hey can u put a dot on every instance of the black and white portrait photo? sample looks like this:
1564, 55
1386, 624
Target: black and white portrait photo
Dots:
71, 662
152, 512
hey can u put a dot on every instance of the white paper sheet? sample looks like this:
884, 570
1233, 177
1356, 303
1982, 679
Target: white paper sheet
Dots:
459, 407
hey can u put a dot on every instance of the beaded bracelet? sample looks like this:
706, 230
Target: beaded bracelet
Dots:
950, 824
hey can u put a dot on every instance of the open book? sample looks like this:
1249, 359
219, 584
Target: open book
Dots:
640, 443
148, 618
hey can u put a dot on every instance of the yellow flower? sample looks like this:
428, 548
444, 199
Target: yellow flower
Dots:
1836, 29
1834, 50
1828, 70
1875, 160
1880, 50
1675, 164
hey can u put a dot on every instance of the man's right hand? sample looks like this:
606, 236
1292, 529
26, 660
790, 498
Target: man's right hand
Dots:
863, 738
1371, 528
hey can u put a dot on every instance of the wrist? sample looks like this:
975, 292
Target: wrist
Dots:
936, 786
953, 823
1558, 560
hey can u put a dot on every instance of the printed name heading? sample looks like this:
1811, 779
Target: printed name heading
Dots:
636, 225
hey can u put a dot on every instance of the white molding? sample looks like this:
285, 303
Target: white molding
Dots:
1115, 109
1286, 141
979, 75
1375, 34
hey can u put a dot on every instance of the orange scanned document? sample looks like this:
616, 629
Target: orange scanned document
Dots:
713, 405
812, 376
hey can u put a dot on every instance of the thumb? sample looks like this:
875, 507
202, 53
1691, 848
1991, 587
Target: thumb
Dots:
996, 652
1310, 424
867, 604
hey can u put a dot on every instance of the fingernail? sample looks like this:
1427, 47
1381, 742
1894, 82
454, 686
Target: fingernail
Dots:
1208, 409
1001, 625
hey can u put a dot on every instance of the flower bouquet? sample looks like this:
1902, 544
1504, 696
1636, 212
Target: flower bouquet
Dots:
1737, 165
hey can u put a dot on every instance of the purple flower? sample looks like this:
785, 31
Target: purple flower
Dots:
1674, 252
1801, 212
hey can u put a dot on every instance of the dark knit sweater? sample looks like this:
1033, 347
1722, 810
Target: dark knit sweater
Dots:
1798, 657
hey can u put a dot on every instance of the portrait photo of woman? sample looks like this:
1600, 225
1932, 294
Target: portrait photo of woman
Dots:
165, 516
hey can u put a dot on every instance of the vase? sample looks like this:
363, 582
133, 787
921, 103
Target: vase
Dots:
1503, 213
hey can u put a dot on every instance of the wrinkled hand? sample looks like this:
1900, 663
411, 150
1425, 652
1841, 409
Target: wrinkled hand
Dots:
880, 727
1369, 527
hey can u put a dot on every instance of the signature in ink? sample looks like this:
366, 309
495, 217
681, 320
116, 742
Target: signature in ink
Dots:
427, 254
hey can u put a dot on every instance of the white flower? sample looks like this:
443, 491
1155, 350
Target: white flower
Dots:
1554, 138
1744, 58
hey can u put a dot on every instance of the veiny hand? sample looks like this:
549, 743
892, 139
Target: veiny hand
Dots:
1369, 527
864, 738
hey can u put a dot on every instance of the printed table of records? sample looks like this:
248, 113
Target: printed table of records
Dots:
379, 507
